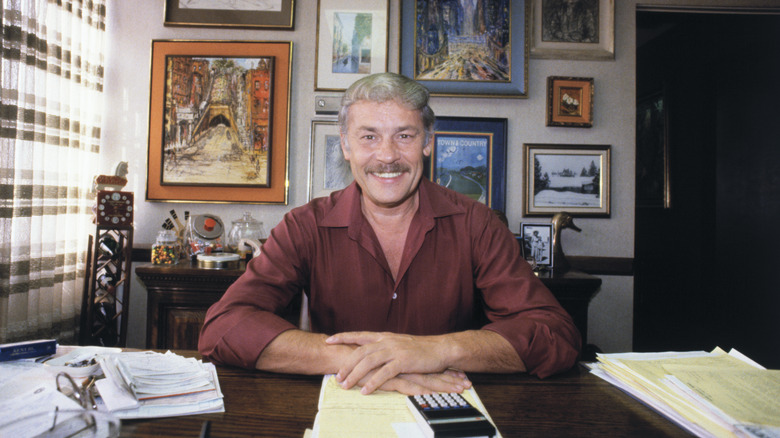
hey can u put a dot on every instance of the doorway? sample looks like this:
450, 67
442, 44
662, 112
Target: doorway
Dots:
706, 261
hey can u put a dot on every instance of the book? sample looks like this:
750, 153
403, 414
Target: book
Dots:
27, 349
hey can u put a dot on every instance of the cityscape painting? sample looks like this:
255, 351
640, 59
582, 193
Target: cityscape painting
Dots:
351, 42
463, 40
217, 121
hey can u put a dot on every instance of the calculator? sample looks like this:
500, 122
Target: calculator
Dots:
449, 415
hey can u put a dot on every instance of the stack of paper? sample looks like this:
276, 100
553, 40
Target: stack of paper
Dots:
709, 394
348, 413
149, 384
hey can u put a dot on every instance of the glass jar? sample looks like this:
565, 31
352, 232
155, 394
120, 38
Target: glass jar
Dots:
165, 250
247, 228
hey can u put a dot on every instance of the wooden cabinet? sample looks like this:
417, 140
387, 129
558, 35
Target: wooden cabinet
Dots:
179, 295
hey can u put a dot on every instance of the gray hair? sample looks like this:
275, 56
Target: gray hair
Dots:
384, 87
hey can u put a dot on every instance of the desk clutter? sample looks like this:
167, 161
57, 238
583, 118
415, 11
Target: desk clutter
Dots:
714, 394
96, 387
204, 239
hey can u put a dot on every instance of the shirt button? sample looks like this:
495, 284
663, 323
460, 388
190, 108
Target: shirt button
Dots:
395, 295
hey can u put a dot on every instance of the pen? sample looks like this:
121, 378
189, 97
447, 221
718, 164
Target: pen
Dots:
205, 430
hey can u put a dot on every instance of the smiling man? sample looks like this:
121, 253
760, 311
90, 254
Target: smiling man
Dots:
409, 284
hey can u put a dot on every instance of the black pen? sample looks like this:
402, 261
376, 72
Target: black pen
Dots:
206, 429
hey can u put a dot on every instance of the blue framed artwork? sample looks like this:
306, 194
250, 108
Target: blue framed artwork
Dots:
455, 48
469, 156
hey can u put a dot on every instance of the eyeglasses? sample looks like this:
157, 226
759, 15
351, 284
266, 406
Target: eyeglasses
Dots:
88, 422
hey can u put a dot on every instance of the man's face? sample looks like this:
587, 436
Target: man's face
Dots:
385, 146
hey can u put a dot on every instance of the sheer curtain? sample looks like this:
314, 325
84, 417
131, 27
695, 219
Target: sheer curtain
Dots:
50, 118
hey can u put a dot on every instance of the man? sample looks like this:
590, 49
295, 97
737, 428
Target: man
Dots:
398, 271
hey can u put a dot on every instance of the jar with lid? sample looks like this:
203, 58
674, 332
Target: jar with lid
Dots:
165, 250
246, 228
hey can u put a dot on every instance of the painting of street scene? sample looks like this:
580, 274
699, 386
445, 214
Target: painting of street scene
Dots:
217, 121
351, 42
562, 180
463, 40
461, 163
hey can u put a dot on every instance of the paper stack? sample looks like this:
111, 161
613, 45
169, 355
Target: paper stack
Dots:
714, 394
149, 384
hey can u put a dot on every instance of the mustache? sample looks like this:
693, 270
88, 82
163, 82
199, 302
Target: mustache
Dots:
388, 168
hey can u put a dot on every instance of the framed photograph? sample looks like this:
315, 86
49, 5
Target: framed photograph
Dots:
456, 50
537, 244
469, 156
258, 14
351, 42
579, 29
652, 152
219, 114
328, 170
570, 102
571, 178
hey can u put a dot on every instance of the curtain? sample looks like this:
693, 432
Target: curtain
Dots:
50, 119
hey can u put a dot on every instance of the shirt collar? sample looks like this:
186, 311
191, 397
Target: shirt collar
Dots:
435, 202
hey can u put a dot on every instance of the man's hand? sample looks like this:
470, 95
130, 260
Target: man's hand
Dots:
414, 384
381, 357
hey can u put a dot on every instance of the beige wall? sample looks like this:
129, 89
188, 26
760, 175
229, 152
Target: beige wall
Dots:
133, 24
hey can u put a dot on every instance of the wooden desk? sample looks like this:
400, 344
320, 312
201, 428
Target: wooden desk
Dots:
179, 295
571, 404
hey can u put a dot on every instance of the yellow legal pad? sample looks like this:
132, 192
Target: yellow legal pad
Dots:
348, 413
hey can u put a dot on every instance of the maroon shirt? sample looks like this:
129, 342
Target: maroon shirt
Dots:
458, 257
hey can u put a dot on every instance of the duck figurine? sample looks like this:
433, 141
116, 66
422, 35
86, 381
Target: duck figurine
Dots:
560, 221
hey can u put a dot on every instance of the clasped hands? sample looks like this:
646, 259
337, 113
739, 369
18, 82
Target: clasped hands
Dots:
397, 362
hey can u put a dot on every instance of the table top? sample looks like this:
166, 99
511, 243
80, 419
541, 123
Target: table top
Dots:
574, 403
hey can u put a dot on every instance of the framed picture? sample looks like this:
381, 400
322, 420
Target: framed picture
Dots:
571, 178
219, 114
351, 42
264, 14
469, 156
652, 152
537, 244
328, 170
581, 29
570, 102
457, 51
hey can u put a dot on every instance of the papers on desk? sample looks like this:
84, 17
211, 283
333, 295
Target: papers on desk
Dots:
163, 385
714, 394
347, 413
148, 384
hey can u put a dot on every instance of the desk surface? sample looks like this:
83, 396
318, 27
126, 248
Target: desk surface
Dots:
571, 404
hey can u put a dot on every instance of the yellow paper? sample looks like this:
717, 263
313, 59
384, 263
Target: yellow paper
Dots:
348, 413
747, 395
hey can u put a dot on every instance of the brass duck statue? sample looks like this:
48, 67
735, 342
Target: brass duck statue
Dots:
560, 221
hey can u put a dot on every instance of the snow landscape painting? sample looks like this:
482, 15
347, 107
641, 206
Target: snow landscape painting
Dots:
567, 178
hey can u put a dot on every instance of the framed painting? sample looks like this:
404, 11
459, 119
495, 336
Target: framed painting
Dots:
571, 178
579, 29
219, 116
570, 102
351, 42
536, 240
652, 152
258, 14
469, 156
455, 50
328, 170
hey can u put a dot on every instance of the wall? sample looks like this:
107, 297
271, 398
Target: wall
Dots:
133, 24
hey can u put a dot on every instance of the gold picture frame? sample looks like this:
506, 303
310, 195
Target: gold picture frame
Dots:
183, 115
220, 13
570, 102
